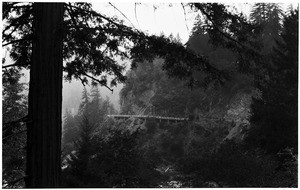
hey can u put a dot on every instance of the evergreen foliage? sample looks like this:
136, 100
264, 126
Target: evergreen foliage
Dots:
92, 110
269, 17
273, 127
70, 132
110, 161
83, 107
99, 152
148, 88
231, 31
14, 107
231, 166
79, 161
92, 41
275, 114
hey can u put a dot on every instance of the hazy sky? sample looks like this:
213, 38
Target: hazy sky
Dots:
153, 18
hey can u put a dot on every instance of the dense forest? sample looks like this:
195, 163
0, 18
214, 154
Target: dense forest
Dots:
233, 85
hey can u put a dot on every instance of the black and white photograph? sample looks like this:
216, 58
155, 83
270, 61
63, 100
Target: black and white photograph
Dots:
126, 94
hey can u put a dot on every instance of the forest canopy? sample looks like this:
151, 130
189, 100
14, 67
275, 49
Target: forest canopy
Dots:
235, 80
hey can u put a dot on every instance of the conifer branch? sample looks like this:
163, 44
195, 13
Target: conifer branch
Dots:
19, 132
16, 41
136, 14
13, 65
69, 9
23, 119
122, 14
71, 12
82, 81
21, 6
96, 14
217, 28
185, 17
10, 34
18, 21
12, 183
99, 81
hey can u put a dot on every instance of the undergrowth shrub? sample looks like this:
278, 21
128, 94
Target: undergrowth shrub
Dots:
231, 166
113, 161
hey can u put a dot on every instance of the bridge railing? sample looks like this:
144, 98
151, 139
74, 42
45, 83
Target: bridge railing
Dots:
149, 116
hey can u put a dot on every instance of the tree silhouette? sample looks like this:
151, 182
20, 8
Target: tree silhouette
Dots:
70, 132
268, 16
275, 114
14, 107
43, 35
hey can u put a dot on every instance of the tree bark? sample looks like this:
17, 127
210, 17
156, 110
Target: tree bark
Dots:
45, 97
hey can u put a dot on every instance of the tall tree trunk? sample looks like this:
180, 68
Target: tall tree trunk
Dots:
45, 97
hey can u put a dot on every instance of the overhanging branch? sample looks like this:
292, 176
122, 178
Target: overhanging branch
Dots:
99, 81
10, 34
10, 124
136, 14
16, 41
121, 13
96, 14
19, 132
185, 17
13, 65
12, 183
217, 28
69, 9
22, 20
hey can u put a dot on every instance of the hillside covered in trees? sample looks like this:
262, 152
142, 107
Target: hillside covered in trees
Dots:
234, 84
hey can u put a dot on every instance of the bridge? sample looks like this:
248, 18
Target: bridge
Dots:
160, 118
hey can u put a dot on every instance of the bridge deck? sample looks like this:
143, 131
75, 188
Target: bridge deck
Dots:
148, 116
